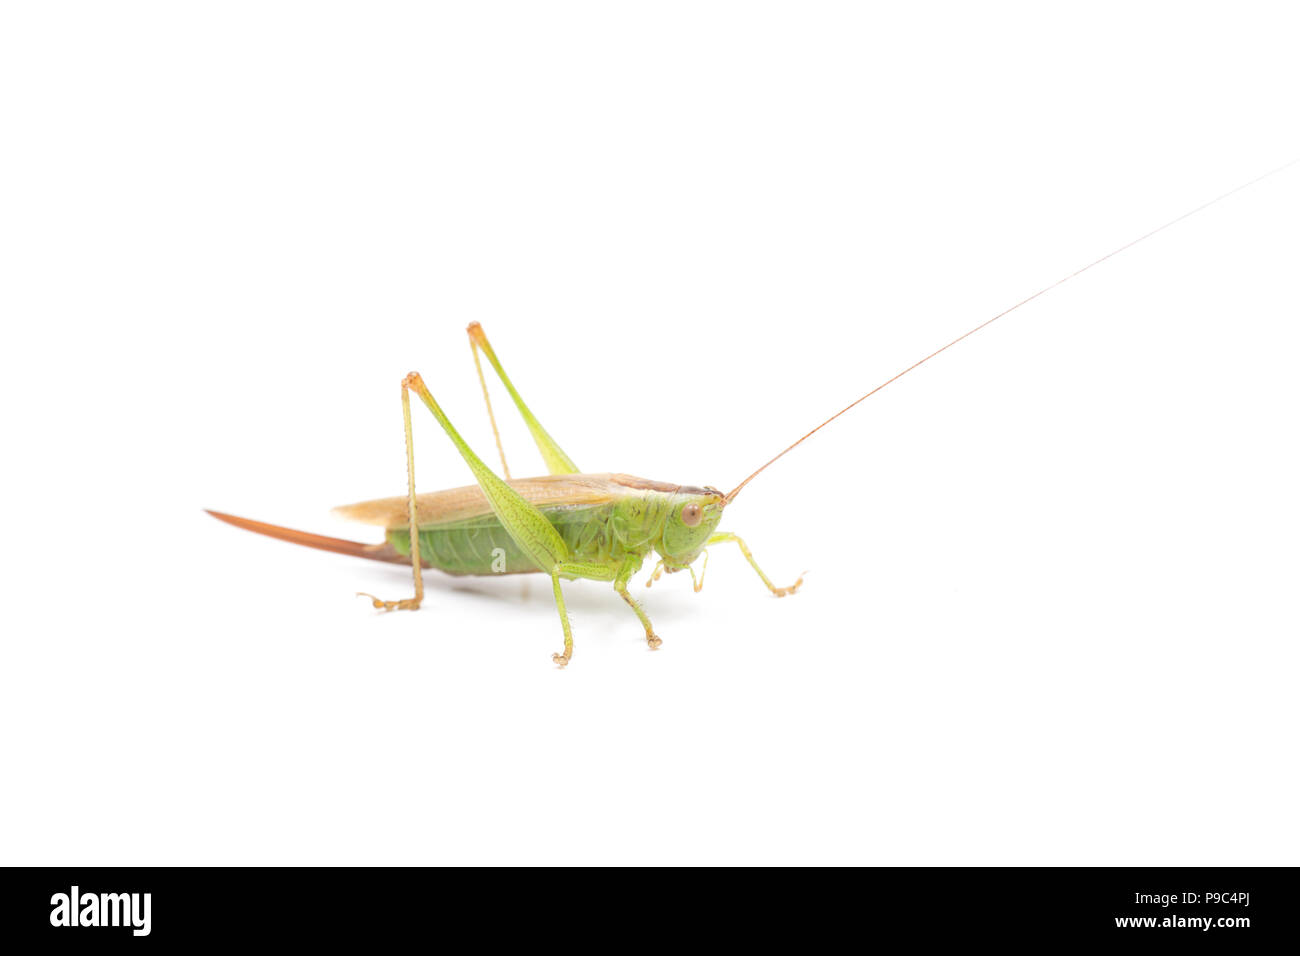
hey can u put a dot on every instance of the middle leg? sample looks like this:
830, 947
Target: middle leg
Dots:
620, 585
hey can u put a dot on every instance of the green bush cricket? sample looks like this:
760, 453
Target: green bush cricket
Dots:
567, 524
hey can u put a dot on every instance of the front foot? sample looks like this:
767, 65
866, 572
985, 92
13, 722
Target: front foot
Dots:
406, 604
653, 640
562, 660
782, 592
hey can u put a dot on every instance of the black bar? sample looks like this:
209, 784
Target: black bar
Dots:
188, 905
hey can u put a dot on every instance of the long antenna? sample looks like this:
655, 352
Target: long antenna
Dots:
731, 495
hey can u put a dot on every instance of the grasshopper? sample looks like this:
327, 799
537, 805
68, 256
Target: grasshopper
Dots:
568, 524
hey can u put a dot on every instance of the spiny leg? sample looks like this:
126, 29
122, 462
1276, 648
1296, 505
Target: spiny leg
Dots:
651, 638
620, 585
413, 603
576, 569
723, 537
557, 462
534, 534
562, 659
475, 334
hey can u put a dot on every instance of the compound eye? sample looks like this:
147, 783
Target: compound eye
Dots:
691, 515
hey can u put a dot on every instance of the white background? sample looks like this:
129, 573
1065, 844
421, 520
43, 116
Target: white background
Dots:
1051, 610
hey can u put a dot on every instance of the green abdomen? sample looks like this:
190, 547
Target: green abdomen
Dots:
482, 546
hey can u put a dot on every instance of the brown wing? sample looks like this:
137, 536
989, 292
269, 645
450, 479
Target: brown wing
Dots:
461, 504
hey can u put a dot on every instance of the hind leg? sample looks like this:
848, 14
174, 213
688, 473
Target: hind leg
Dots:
411, 603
